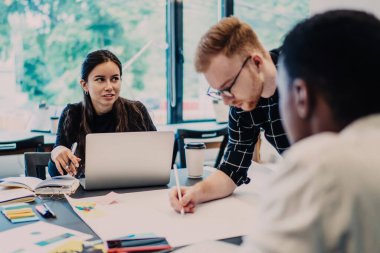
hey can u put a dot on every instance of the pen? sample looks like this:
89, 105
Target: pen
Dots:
178, 187
73, 149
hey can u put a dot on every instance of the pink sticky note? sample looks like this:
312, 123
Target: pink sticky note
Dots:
109, 199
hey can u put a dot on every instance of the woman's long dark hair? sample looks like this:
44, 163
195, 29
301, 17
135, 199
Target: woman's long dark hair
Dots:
88, 112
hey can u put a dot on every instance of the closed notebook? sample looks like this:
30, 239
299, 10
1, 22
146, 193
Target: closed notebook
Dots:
56, 185
12, 195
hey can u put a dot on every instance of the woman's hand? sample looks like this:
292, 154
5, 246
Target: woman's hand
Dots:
65, 160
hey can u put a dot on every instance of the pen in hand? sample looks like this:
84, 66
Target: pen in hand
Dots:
73, 149
178, 187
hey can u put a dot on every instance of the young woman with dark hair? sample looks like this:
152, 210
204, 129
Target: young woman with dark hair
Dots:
101, 111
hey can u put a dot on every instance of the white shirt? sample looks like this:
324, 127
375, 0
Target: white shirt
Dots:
326, 197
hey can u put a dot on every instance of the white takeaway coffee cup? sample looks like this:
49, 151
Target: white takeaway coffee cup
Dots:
195, 156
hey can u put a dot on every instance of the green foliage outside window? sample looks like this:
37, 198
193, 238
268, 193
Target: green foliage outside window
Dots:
49, 39
56, 36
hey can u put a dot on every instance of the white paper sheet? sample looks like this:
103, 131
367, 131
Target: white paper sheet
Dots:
37, 237
150, 211
209, 247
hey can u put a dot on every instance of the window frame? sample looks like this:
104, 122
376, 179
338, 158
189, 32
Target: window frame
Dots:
175, 58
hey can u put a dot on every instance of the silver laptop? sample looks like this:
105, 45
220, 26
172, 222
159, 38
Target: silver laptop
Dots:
133, 159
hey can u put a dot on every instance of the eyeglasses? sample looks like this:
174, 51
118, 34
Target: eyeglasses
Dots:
218, 94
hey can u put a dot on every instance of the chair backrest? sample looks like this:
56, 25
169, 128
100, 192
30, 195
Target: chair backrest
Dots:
35, 164
21, 146
183, 134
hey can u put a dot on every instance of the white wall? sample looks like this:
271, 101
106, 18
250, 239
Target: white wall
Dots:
372, 6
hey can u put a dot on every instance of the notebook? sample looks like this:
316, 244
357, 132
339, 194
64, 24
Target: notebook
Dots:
132, 159
14, 195
56, 185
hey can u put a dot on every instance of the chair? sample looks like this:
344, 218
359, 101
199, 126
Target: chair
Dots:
35, 164
21, 146
183, 134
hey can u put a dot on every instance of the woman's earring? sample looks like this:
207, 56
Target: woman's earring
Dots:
86, 93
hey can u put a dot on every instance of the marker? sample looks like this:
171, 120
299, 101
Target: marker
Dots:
45, 211
73, 149
135, 242
178, 187
49, 210
145, 248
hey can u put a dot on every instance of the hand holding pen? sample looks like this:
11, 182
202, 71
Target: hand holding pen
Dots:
65, 159
184, 199
71, 167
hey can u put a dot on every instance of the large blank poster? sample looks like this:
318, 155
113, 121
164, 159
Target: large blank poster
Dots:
150, 211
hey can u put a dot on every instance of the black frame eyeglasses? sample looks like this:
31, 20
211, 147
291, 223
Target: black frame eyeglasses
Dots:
218, 94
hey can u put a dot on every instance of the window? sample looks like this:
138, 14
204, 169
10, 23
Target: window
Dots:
198, 17
271, 20
45, 43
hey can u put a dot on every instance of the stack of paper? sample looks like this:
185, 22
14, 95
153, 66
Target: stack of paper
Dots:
41, 237
13, 195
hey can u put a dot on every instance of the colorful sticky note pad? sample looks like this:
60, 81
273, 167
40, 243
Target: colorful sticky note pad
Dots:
19, 212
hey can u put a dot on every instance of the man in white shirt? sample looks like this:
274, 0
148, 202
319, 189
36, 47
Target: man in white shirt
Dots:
326, 197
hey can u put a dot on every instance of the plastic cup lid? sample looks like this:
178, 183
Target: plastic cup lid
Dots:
195, 145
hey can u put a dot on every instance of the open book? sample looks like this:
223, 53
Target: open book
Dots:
56, 185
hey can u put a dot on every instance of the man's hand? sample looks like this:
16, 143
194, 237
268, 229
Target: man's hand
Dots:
190, 198
216, 186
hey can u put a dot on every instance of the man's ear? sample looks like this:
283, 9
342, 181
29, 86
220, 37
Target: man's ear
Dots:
302, 98
84, 85
257, 60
